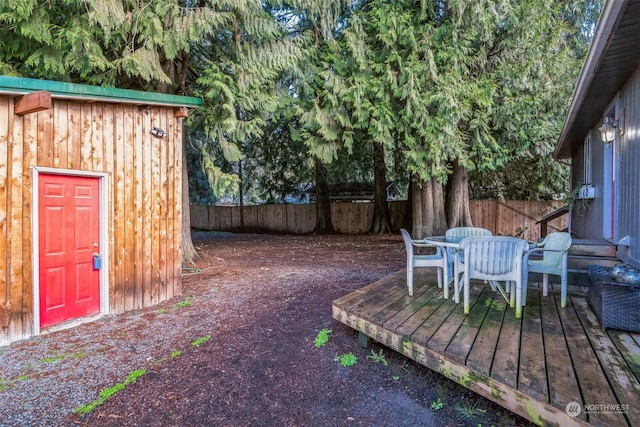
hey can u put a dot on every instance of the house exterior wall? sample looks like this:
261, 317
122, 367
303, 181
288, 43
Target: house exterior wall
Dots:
586, 216
144, 197
590, 223
628, 205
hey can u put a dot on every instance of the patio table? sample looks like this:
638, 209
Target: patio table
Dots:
450, 246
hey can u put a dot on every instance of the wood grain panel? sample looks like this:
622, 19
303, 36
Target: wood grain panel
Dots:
355, 218
60, 137
26, 128
175, 129
86, 137
128, 239
174, 180
118, 247
139, 165
143, 191
99, 138
160, 214
145, 225
74, 139
6, 129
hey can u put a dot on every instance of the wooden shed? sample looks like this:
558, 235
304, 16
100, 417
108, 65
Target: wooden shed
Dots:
90, 202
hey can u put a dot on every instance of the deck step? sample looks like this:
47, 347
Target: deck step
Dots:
580, 262
594, 248
585, 252
582, 254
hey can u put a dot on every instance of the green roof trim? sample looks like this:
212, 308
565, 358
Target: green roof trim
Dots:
22, 85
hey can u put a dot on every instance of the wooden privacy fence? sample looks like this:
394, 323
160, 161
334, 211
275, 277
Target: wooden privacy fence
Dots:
355, 218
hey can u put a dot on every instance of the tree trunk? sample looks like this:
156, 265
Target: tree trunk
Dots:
323, 205
189, 254
381, 218
457, 203
241, 194
428, 209
407, 221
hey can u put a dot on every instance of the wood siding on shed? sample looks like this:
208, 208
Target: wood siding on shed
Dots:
144, 196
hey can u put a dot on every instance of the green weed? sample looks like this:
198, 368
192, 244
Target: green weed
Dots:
162, 311
175, 353
201, 340
346, 360
378, 357
108, 392
322, 338
51, 359
184, 303
437, 405
468, 410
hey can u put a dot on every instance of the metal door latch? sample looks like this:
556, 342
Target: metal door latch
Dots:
97, 261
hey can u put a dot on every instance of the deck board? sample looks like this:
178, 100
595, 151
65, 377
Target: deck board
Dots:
480, 357
533, 373
396, 314
592, 380
629, 347
609, 356
563, 385
533, 366
441, 338
436, 320
464, 339
505, 359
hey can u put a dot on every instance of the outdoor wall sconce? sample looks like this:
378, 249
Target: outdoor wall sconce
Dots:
608, 130
160, 133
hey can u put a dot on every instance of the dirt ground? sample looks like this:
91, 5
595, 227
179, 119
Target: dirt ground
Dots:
237, 349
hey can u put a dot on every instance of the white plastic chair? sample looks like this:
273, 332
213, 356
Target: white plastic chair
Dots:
456, 268
495, 259
555, 250
438, 260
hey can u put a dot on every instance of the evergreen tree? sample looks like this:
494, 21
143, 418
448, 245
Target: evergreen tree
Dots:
228, 52
458, 86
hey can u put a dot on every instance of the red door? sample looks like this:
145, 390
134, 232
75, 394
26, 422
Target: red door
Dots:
69, 233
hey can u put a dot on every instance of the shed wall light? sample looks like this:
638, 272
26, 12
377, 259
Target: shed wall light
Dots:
160, 133
608, 130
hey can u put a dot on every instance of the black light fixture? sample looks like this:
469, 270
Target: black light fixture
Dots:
608, 130
160, 133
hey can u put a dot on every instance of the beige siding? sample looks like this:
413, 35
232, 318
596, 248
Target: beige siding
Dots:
144, 195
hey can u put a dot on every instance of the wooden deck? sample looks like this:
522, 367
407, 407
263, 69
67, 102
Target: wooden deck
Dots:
535, 366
